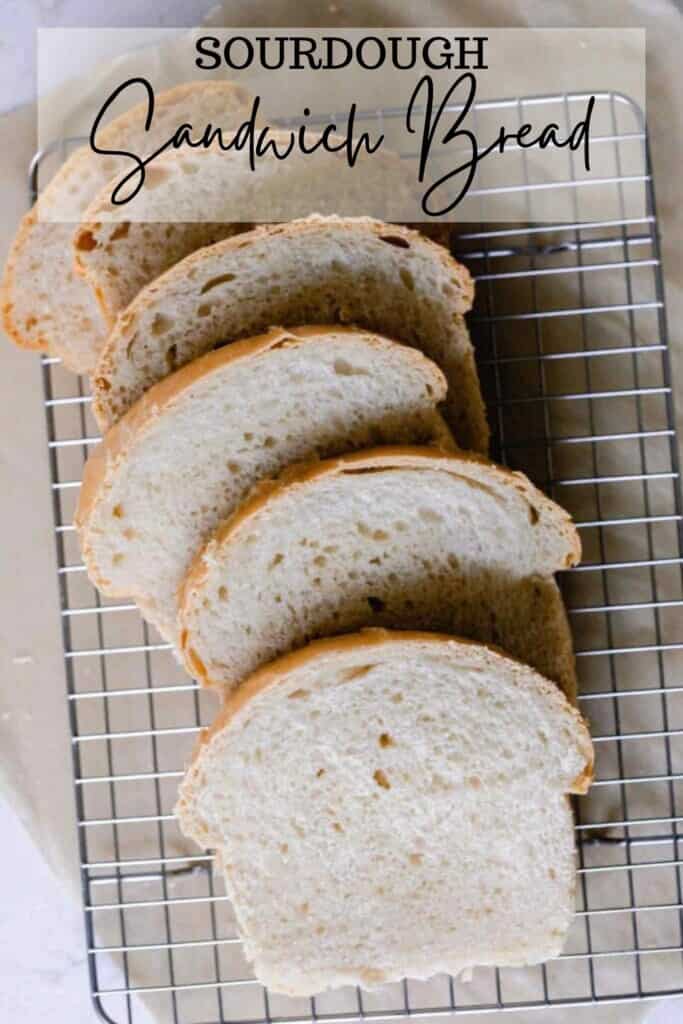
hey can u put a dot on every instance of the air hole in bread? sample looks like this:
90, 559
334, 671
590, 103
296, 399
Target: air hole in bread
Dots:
223, 593
365, 531
407, 279
121, 231
386, 740
269, 442
160, 324
381, 779
214, 282
320, 772
344, 369
376, 604
428, 515
397, 240
86, 241
117, 511
279, 557
299, 694
534, 515
204, 310
171, 358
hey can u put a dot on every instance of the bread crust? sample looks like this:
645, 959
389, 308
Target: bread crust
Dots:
373, 639
98, 220
110, 136
36, 341
102, 463
104, 382
370, 460
385, 458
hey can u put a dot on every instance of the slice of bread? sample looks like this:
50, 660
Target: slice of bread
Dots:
199, 197
402, 538
381, 277
45, 303
389, 805
191, 448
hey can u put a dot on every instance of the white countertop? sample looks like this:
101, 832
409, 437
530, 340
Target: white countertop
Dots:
43, 968
19, 20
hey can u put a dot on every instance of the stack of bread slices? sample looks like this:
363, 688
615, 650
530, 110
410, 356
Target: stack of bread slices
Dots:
294, 487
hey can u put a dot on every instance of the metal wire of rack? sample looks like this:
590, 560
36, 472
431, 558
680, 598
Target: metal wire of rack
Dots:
571, 340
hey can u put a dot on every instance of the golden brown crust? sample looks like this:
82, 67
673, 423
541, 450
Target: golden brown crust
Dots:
125, 326
275, 672
311, 224
13, 331
109, 137
97, 219
385, 458
123, 435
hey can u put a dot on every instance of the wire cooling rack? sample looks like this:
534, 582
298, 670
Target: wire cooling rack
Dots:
571, 339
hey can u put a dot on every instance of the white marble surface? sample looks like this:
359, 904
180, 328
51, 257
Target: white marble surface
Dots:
19, 20
43, 970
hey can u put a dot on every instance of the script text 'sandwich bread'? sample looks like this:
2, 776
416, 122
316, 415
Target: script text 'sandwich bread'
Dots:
193, 198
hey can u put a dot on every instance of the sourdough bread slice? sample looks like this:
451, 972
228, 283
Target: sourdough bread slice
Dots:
403, 538
382, 277
45, 303
409, 786
200, 197
191, 448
